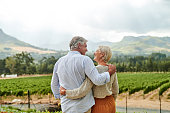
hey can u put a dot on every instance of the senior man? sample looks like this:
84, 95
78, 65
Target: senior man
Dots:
70, 72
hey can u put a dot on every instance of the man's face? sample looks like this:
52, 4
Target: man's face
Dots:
83, 48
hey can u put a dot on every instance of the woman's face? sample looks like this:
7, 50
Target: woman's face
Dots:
98, 55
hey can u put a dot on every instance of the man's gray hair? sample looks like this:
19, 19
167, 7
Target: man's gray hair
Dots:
75, 41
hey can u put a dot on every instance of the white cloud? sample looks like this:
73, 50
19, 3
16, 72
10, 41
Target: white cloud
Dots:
45, 21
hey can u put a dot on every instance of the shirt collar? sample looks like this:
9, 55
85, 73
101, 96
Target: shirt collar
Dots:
74, 52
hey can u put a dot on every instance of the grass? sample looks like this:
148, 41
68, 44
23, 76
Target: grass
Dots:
11, 109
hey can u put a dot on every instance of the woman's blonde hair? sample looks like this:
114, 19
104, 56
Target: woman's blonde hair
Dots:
107, 52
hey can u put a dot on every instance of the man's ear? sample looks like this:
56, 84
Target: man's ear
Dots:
79, 45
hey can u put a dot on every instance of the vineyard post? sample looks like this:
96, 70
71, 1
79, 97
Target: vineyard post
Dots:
126, 102
49, 96
126, 98
0, 100
160, 102
143, 90
28, 99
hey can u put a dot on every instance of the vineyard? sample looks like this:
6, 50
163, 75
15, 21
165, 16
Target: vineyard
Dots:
132, 82
19, 86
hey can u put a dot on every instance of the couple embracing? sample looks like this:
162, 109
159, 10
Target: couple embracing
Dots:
82, 87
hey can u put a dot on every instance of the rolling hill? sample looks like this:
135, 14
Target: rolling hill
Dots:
10, 45
142, 45
129, 45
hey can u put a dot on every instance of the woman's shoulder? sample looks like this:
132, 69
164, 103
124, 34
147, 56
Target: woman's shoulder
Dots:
102, 68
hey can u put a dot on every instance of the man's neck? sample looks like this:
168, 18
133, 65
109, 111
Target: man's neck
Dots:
76, 50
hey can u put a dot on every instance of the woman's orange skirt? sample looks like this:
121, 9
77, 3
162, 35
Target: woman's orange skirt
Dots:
104, 105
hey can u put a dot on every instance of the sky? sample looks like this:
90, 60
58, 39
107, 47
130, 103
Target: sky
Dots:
45, 22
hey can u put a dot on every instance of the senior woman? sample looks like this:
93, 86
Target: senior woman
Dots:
105, 95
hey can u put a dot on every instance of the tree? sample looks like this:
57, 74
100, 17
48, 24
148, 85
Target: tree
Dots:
158, 56
2, 67
46, 65
21, 63
10, 64
138, 67
150, 65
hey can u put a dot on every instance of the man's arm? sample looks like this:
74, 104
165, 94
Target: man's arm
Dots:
78, 92
55, 82
93, 74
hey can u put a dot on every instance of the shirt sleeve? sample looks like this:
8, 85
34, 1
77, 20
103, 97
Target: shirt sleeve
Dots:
93, 74
81, 91
55, 82
115, 89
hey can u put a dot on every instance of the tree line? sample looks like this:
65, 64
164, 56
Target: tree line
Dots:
24, 63
155, 62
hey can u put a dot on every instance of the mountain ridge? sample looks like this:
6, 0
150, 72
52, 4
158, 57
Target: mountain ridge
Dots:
10, 45
129, 45
9, 39
145, 44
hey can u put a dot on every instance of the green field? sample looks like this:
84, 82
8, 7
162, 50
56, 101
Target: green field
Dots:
18, 86
132, 82
10, 109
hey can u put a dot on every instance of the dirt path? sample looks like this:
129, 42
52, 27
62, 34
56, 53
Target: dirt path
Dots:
150, 100
143, 103
136, 100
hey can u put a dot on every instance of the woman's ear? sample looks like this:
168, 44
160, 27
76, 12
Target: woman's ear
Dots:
102, 54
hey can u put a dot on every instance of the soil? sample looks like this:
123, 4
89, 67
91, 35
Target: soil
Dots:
137, 100
150, 100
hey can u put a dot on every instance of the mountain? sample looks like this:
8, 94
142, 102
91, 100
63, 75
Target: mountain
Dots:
64, 45
142, 45
10, 45
129, 45
92, 46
